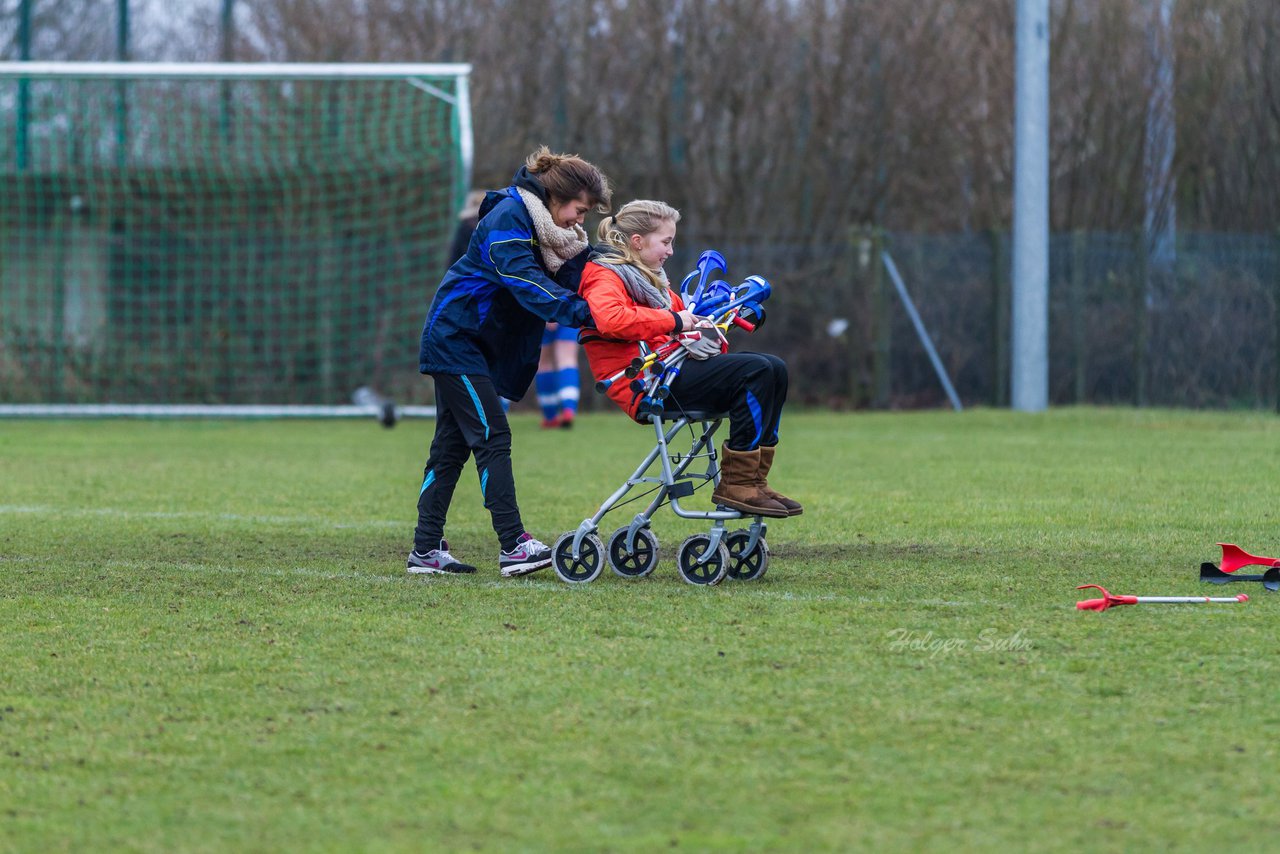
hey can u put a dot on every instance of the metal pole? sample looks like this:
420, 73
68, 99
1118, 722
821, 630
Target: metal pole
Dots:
415, 73
228, 23
122, 31
462, 126
122, 100
1000, 300
1160, 222
923, 333
24, 30
1141, 318
24, 86
1077, 315
1030, 375
882, 327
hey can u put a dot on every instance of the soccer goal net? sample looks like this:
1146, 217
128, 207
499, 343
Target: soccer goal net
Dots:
222, 238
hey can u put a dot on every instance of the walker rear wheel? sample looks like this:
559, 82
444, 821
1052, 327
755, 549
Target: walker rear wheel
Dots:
586, 566
634, 564
710, 572
744, 565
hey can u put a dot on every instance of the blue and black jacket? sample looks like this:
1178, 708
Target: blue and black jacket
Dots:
488, 314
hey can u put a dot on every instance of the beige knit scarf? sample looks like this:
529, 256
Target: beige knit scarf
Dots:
639, 286
557, 244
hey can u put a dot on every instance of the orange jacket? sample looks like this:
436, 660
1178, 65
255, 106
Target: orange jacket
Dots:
620, 323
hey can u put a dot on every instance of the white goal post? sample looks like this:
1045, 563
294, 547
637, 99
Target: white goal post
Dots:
415, 74
136, 199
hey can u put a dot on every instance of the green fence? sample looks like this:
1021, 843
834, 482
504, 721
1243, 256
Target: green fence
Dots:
1200, 333
150, 302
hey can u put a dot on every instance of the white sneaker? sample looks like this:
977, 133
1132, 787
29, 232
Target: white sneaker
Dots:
437, 562
528, 556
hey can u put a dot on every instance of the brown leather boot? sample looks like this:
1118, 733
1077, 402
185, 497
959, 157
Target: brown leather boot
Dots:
738, 488
766, 463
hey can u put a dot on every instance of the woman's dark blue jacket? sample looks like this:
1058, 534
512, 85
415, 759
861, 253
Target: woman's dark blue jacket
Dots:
488, 314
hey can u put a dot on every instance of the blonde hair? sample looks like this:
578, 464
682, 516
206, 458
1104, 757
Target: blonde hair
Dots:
567, 176
642, 216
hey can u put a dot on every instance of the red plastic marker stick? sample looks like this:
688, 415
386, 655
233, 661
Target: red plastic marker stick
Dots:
1108, 600
1234, 557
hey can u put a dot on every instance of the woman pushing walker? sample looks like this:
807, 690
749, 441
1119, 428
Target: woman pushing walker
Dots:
631, 301
481, 340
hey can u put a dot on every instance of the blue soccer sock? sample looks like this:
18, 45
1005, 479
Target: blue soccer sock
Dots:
545, 384
567, 386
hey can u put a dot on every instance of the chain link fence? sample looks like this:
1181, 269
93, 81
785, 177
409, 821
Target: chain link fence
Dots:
1198, 331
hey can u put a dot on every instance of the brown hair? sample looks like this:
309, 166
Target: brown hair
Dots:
567, 176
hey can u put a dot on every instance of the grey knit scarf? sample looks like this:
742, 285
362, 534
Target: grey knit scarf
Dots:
557, 244
639, 288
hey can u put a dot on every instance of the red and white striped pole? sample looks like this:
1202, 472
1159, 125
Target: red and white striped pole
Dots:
1108, 599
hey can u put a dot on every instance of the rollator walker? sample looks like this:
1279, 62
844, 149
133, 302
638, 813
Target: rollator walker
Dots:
741, 554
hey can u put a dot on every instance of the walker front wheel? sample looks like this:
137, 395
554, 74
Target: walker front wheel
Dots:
633, 564
708, 572
583, 568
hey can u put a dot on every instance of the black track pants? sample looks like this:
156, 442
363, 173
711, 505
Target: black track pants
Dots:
469, 420
751, 387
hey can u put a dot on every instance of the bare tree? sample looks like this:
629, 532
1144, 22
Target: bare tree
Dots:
791, 117
61, 29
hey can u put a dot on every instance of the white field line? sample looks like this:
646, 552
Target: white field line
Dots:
117, 513
789, 595
278, 571
545, 583
524, 582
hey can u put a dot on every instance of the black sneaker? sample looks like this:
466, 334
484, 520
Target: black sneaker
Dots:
528, 556
437, 562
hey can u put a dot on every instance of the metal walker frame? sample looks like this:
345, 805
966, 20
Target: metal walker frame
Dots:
705, 559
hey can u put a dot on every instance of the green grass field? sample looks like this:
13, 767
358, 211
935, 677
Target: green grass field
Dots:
210, 643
